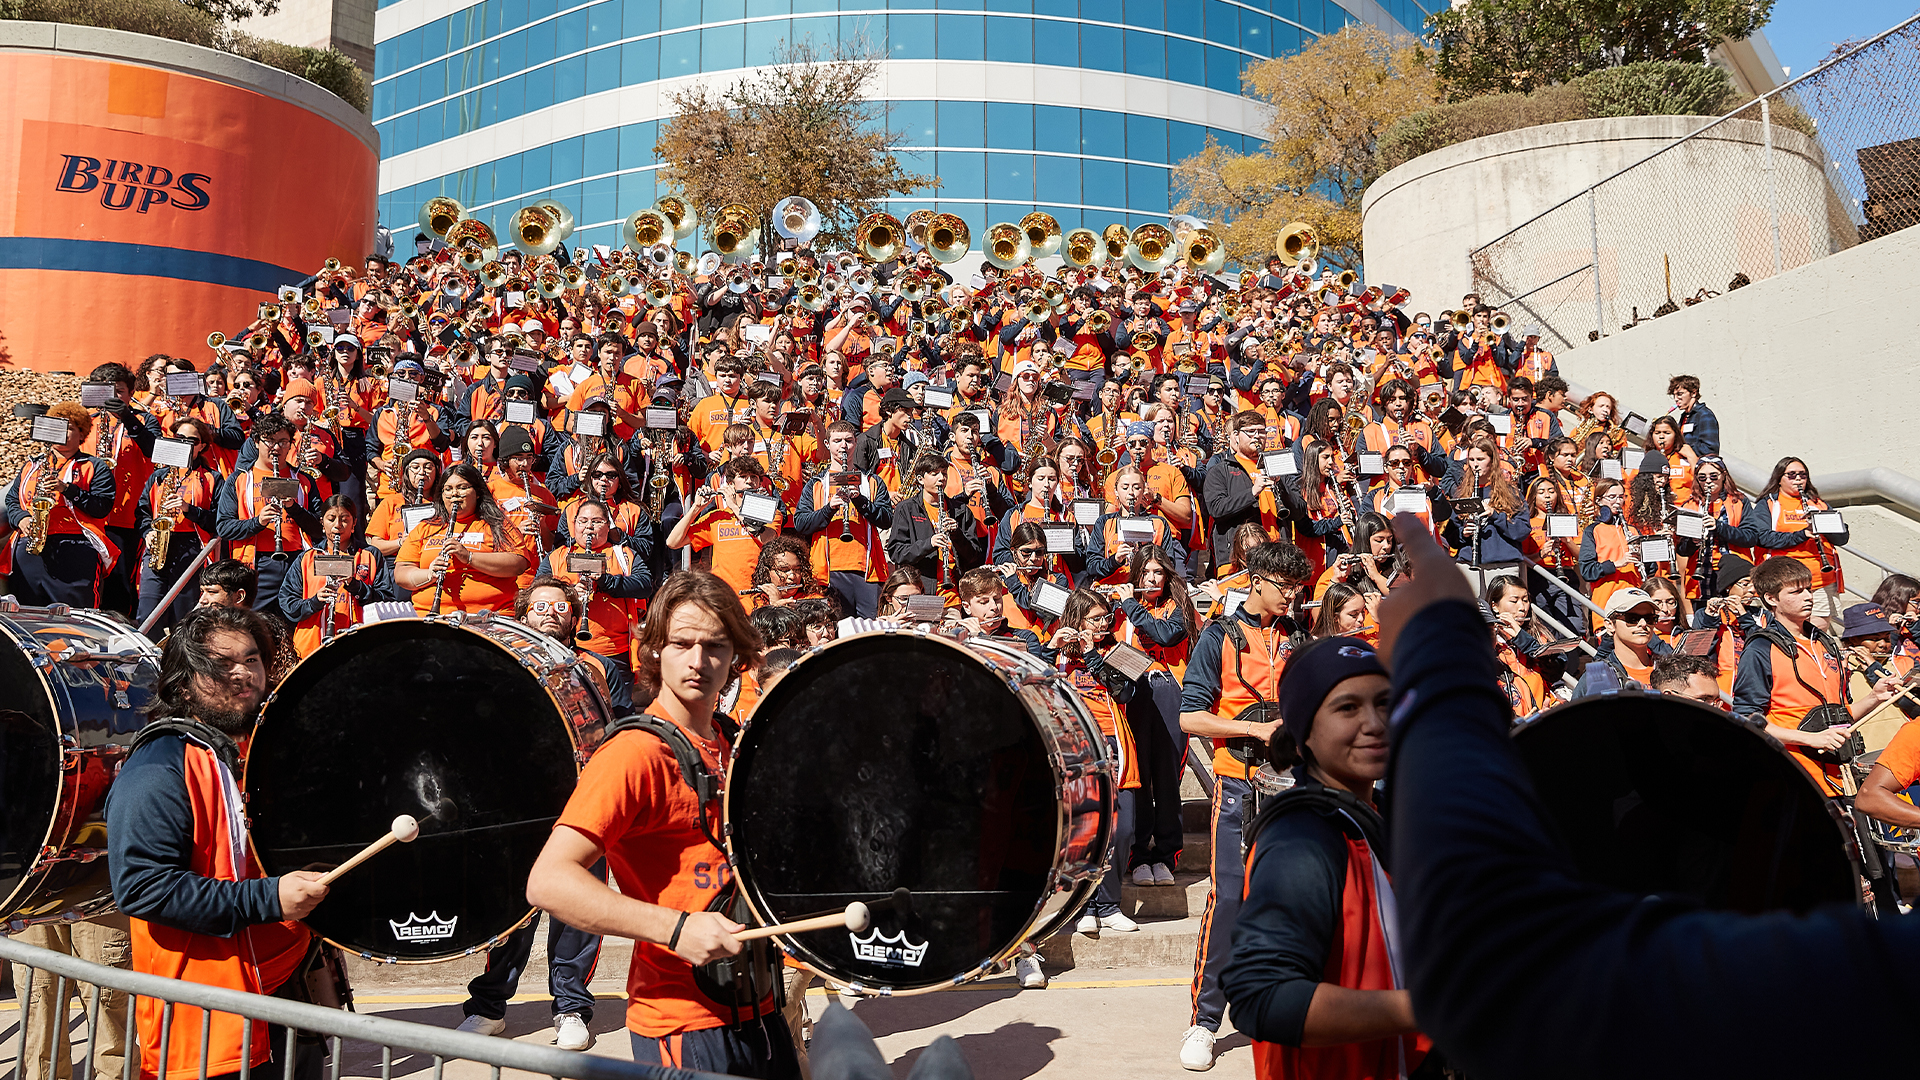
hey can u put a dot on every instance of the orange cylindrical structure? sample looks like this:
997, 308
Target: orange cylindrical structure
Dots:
152, 192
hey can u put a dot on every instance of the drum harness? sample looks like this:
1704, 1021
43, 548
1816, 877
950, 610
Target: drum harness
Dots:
1246, 749
732, 981
1826, 714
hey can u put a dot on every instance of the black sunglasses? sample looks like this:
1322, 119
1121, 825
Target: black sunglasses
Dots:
1633, 618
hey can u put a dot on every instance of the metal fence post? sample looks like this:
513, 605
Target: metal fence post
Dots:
1773, 179
1593, 236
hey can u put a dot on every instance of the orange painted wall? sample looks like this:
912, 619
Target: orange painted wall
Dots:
241, 191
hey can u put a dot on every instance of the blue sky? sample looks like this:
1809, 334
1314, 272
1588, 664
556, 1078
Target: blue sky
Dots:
1803, 32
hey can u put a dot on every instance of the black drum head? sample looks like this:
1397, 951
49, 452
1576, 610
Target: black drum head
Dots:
29, 785
1656, 795
895, 762
389, 720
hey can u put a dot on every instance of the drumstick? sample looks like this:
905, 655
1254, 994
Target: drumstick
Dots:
855, 918
405, 828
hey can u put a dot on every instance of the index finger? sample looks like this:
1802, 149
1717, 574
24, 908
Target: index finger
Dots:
1421, 550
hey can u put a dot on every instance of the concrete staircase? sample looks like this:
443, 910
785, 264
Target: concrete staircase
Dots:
1169, 916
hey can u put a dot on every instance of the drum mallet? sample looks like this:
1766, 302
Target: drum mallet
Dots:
405, 828
855, 918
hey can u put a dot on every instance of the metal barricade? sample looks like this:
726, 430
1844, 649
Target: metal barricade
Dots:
337, 1027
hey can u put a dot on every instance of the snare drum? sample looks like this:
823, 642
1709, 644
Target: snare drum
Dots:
393, 717
1657, 795
74, 686
969, 775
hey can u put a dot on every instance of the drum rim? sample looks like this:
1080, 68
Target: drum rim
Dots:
1061, 822
1846, 839
23, 641
473, 630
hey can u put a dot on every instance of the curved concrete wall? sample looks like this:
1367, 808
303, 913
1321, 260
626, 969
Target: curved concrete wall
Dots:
1420, 220
152, 192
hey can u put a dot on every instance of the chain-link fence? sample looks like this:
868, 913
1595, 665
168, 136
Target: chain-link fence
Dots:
1825, 162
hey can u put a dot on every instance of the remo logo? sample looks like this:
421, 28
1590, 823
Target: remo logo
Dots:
127, 185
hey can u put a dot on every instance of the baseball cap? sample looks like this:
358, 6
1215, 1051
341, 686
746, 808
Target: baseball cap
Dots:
346, 339
1627, 600
1025, 366
896, 398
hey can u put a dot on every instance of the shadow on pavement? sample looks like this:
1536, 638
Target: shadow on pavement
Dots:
1010, 1052
890, 1016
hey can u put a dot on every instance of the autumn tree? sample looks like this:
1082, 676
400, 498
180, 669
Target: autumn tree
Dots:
1331, 102
1506, 46
802, 126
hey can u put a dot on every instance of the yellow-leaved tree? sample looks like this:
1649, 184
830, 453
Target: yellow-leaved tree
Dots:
1331, 103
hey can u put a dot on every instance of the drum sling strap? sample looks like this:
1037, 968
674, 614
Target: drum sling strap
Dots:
733, 981
1824, 715
1246, 749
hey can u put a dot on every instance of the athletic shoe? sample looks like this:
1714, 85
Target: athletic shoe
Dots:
481, 1025
1118, 923
1196, 1049
1162, 874
1027, 968
570, 1032
1089, 924
1143, 874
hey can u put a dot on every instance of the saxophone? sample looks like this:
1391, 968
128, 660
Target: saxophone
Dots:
300, 447
45, 487
160, 533
659, 468
402, 444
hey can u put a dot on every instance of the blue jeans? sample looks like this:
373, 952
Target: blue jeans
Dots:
571, 956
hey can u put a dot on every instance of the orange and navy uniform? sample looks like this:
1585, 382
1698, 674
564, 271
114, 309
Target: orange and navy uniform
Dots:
201, 908
241, 506
300, 591
1090, 678
464, 587
1018, 603
1782, 677
1785, 513
632, 803
1224, 680
1160, 631
83, 497
199, 491
866, 552
1606, 561
618, 595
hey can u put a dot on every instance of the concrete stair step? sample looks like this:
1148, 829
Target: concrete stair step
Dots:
1196, 815
1158, 943
1186, 897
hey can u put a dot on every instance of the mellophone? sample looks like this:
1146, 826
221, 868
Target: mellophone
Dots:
895, 834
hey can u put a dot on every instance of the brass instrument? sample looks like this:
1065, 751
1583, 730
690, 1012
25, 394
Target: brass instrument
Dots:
1043, 233
535, 229
734, 234
948, 238
301, 444
1114, 239
678, 214
645, 228
1462, 320
879, 237
215, 340
1082, 247
1203, 251
402, 444
270, 313
1143, 341
1098, 322
1007, 246
1297, 244
658, 479
1500, 322
796, 219
1151, 249
331, 266
1346, 280
46, 489
533, 519
439, 215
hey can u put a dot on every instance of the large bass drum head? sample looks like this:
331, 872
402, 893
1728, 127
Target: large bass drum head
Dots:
1657, 795
886, 762
390, 719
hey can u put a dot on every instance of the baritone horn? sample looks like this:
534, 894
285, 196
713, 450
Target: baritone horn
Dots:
1297, 244
1043, 233
948, 238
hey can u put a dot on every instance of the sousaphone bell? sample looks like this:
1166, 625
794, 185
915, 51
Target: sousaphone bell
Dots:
796, 218
1043, 233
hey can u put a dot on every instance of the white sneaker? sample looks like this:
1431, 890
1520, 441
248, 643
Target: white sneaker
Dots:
1143, 874
848, 997
1196, 1049
1089, 924
570, 1032
481, 1025
1027, 969
1118, 923
1162, 874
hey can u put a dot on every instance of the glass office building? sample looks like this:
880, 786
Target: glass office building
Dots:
1076, 107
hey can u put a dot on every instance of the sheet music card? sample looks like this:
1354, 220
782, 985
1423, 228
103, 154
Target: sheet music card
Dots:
172, 454
1049, 599
1059, 536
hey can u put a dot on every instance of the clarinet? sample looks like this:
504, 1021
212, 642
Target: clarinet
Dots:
440, 576
326, 627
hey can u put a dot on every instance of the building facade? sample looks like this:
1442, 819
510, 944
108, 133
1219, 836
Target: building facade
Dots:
1076, 107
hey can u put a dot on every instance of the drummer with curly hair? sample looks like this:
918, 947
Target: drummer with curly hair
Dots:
634, 807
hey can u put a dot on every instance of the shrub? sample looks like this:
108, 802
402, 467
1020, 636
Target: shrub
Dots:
328, 69
1657, 88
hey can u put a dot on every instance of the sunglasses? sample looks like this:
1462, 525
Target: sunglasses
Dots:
1793, 476
604, 475
555, 607
1636, 618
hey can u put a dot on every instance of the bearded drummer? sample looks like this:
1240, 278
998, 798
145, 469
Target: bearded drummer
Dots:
633, 807
201, 908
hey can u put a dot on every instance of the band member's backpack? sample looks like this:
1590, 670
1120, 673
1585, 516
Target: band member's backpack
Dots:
733, 982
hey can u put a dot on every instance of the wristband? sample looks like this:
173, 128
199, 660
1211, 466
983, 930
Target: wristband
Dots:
673, 943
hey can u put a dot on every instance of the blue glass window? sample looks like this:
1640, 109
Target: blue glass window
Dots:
1183, 17
1285, 9
513, 96
764, 37
1146, 13
1223, 70
722, 10
1010, 176
603, 70
603, 23
1223, 23
911, 37
677, 13
510, 53
1022, 6
1057, 128
539, 38
1056, 179
1254, 34
1184, 140
539, 83
822, 32
570, 78
570, 32
640, 61
722, 47
636, 146
1069, 8
1009, 40
1055, 42
506, 175
1146, 138
1009, 126
636, 192
960, 125
915, 161
597, 200
1103, 133
768, 7
1186, 61
600, 152
1100, 48
566, 159
679, 54
512, 13
870, 29
1286, 38
913, 120
1104, 183
1147, 188
536, 168
640, 17
961, 37
962, 174
382, 100
1146, 54
960, 5
800, 6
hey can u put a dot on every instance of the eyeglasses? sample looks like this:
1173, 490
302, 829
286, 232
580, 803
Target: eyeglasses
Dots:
602, 474
1278, 585
1793, 476
550, 607
1636, 618
194, 439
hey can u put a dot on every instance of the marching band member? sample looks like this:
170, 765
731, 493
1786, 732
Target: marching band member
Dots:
844, 510
60, 554
320, 605
418, 471
783, 576
713, 522
1786, 506
607, 601
1159, 620
466, 556
1078, 647
262, 531
190, 498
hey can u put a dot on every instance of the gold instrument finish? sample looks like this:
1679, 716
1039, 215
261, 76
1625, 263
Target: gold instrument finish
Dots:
439, 215
1114, 238
1297, 243
46, 490
679, 216
1043, 233
880, 237
948, 238
160, 533
1151, 249
1007, 246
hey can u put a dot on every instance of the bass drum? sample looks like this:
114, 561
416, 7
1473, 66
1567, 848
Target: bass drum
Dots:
969, 776
74, 687
486, 721
1658, 795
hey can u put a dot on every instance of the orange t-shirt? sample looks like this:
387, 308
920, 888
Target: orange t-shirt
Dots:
736, 549
633, 804
465, 588
1902, 756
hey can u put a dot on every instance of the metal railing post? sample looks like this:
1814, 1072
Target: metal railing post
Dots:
1593, 235
1773, 178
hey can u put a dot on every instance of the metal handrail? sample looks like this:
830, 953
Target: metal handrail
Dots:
339, 1024
1563, 586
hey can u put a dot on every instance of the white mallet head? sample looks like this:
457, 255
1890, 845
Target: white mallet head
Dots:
858, 918
405, 828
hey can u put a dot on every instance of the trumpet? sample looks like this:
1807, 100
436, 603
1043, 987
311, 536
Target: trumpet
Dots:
1462, 320
1098, 322
216, 339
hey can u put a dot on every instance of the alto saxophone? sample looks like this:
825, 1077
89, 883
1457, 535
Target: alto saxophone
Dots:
45, 488
160, 533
